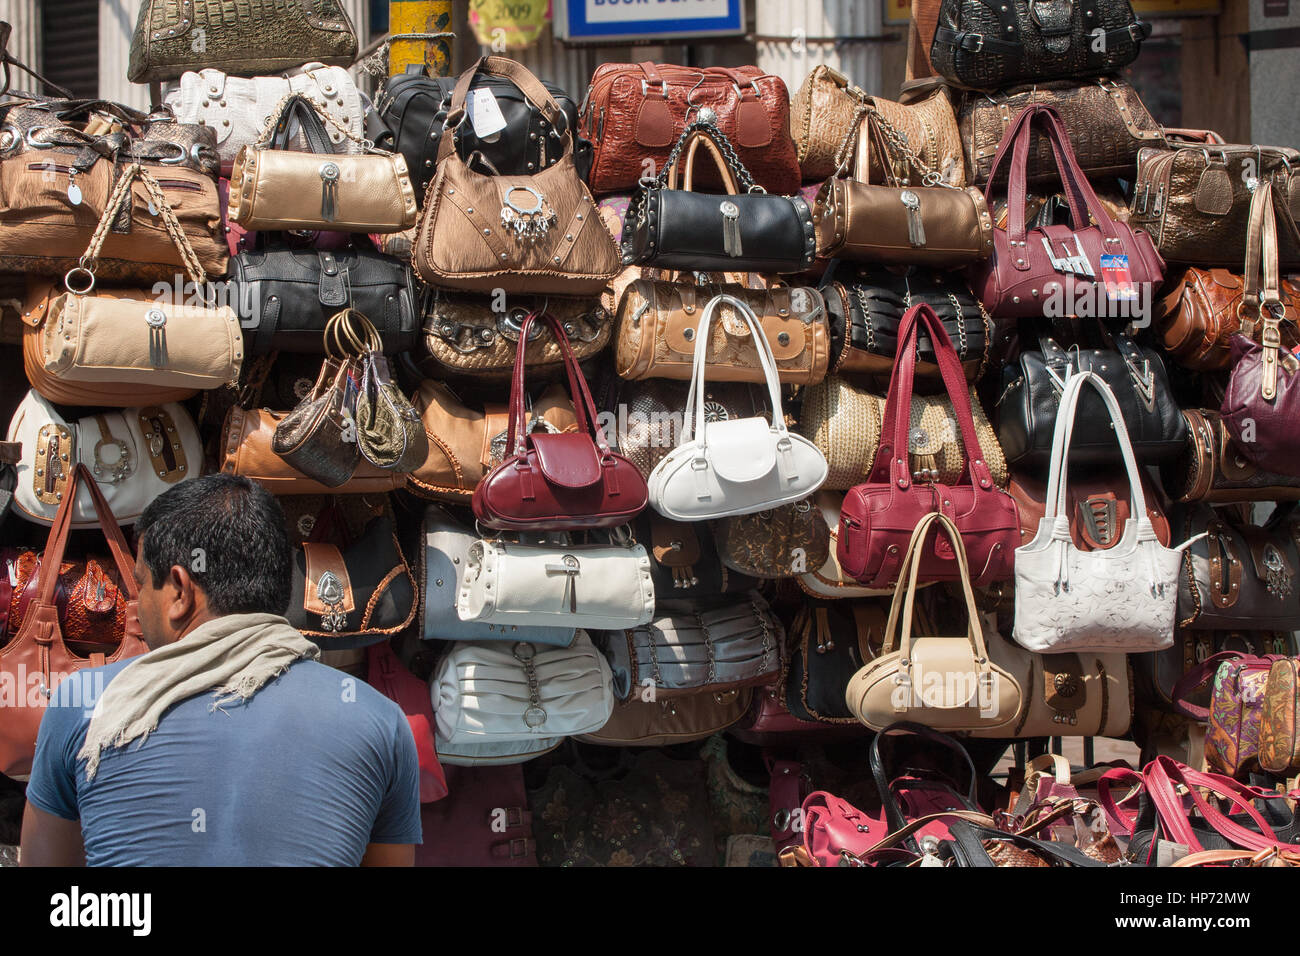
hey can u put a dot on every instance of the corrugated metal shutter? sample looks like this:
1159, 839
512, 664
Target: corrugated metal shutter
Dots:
70, 35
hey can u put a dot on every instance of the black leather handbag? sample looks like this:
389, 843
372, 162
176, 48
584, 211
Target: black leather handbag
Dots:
684, 560
284, 297
1031, 394
745, 230
988, 44
415, 106
865, 304
830, 641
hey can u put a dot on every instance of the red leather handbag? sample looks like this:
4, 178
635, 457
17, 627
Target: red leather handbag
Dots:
386, 673
558, 482
634, 113
877, 518
1030, 266
40, 656
484, 821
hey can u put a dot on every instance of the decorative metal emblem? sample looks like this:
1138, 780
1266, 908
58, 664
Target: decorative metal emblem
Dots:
1277, 579
329, 590
531, 223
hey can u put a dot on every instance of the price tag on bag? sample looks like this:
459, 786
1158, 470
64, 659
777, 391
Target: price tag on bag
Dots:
484, 113
1119, 280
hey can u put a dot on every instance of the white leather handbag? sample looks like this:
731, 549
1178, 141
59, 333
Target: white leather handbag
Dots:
741, 465
1118, 599
491, 692
239, 108
135, 454
597, 586
496, 753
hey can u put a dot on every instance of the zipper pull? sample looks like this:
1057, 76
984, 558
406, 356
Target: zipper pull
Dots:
329, 174
730, 228
915, 229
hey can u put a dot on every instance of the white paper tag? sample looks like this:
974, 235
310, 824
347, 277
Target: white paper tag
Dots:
485, 114
1168, 853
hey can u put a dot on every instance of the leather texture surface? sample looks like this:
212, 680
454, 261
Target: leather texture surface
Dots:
1213, 469
638, 723
1198, 316
830, 580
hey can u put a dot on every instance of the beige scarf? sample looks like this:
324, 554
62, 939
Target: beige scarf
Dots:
232, 656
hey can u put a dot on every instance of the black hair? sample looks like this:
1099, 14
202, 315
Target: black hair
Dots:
229, 533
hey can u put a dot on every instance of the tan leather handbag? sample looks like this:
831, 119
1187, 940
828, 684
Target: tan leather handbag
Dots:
245, 450
657, 326
530, 234
823, 109
927, 223
275, 188
660, 723
844, 422
465, 444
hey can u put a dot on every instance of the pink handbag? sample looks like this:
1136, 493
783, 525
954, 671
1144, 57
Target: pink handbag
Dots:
1028, 266
387, 674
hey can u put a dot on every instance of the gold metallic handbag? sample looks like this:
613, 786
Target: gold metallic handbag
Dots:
657, 325
275, 188
823, 110
539, 233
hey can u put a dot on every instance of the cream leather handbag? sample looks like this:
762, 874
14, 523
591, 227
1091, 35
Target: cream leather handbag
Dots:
493, 692
947, 683
597, 586
238, 108
135, 455
739, 466
1122, 598
276, 188
495, 753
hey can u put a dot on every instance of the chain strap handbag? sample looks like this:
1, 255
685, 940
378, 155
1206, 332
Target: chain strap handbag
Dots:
878, 516
931, 223
737, 466
537, 234
40, 648
172, 36
273, 187
1118, 599
745, 230
991, 46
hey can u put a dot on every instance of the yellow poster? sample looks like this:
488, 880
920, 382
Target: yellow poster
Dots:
898, 11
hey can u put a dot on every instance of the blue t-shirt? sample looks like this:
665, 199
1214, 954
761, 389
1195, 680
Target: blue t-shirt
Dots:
306, 772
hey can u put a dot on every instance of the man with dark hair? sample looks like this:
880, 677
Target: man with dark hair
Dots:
228, 743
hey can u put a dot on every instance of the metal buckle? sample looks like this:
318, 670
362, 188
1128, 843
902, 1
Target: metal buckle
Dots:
180, 154
979, 42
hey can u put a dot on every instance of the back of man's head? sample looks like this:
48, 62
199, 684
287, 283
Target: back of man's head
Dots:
229, 533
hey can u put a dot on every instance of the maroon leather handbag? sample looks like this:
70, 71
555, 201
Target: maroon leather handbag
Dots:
877, 518
484, 821
558, 482
1030, 266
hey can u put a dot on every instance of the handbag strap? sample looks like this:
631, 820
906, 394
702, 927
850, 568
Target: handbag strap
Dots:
891, 460
696, 139
1197, 677
1164, 774
8, 60
722, 147
893, 813
56, 543
1235, 857
518, 74
1260, 311
970, 836
906, 588
117, 200
693, 418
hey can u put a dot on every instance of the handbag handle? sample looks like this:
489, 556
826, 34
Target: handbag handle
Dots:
116, 201
891, 461
1054, 504
311, 119
722, 147
693, 419
1163, 774
583, 404
57, 541
1078, 191
1261, 311
970, 838
893, 814
908, 579
701, 138
518, 74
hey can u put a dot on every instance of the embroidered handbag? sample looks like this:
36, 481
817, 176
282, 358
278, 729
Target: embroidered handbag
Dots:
1122, 598
558, 482
738, 466
879, 516
1279, 732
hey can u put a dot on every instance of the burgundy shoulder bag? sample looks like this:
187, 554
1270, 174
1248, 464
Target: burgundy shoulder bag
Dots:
1028, 266
878, 517
558, 482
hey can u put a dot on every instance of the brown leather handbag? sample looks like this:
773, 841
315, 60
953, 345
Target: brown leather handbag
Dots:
467, 337
825, 106
1098, 507
245, 449
1201, 312
1194, 200
634, 112
39, 657
1213, 469
925, 224
661, 723
657, 326
465, 443
1105, 119
530, 234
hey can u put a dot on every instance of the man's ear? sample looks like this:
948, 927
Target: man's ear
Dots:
185, 598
